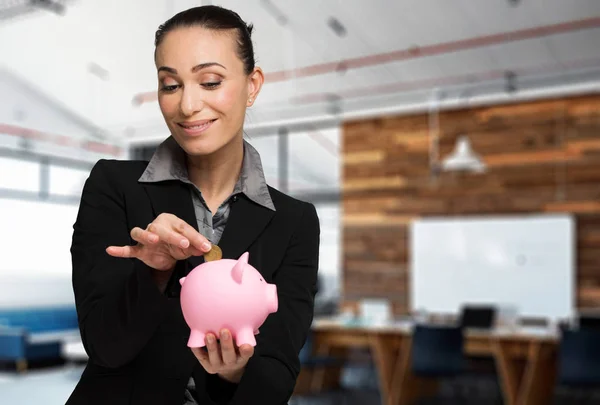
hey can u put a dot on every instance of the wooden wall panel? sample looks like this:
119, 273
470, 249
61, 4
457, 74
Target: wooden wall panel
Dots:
542, 156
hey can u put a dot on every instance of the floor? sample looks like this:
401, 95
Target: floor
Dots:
53, 385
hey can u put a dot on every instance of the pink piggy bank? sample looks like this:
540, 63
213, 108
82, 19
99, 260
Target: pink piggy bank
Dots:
226, 294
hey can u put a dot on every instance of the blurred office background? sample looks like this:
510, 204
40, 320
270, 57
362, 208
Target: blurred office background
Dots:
452, 149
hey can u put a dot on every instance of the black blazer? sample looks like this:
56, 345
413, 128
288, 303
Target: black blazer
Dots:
136, 336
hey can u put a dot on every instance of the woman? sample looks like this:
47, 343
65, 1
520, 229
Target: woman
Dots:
143, 225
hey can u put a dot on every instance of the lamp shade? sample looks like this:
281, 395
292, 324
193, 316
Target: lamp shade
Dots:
463, 158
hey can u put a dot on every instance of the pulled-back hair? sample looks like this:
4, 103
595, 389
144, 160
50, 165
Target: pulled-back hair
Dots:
213, 18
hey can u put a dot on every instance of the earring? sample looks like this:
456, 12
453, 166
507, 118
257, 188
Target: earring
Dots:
250, 100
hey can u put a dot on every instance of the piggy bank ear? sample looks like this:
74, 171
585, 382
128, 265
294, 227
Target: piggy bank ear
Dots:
238, 269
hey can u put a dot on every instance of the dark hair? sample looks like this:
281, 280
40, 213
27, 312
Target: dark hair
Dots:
213, 18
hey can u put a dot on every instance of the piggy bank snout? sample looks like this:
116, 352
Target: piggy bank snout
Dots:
272, 301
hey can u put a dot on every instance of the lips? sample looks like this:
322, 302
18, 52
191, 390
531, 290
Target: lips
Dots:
196, 127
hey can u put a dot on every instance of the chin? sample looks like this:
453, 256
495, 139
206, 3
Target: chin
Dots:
199, 146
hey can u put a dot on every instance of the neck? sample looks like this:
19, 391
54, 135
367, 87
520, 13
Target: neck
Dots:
216, 174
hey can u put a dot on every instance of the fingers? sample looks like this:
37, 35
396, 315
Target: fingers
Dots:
179, 234
214, 355
123, 251
167, 235
223, 357
143, 236
228, 352
246, 351
201, 355
191, 234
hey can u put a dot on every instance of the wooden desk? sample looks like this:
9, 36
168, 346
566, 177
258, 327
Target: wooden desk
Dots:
525, 358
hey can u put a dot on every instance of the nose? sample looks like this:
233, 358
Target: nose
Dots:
191, 101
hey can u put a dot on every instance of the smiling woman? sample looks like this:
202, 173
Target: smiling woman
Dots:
142, 226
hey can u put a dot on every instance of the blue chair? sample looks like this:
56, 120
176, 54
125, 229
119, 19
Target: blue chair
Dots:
437, 351
579, 362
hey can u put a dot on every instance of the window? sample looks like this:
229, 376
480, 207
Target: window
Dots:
19, 175
313, 161
66, 181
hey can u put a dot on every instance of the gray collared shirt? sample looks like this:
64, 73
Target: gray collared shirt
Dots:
169, 163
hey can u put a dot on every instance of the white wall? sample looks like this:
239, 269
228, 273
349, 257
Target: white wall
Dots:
523, 262
23, 105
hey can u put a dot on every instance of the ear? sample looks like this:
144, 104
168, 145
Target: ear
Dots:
238, 270
181, 280
255, 82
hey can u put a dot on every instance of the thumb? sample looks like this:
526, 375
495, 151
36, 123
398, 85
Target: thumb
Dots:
246, 351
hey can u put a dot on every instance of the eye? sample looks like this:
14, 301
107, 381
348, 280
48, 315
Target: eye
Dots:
169, 89
261, 279
211, 85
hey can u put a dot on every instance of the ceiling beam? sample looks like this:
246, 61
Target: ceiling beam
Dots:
416, 52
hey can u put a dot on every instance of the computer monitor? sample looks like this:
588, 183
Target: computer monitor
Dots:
478, 316
589, 322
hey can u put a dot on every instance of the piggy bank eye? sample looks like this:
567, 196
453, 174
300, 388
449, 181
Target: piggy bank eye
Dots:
261, 279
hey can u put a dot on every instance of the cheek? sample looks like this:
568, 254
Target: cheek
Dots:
229, 102
168, 106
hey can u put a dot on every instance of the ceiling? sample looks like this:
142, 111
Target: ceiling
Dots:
96, 59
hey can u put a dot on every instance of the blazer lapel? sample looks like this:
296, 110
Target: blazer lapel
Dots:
246, 221
172, 197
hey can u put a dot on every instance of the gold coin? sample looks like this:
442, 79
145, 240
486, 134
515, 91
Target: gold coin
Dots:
213, 254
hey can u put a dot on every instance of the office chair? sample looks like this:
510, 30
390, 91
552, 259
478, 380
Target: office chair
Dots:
437, 352
579, 363
483, 377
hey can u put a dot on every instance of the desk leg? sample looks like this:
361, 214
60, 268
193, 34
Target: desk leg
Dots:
540, 375
326, 376
384, 349
21, 365
510, 370
406, 387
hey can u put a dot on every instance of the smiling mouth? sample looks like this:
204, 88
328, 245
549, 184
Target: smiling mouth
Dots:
196, 127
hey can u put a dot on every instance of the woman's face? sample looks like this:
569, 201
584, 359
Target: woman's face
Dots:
203, 90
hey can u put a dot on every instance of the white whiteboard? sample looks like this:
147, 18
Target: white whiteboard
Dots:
526, 262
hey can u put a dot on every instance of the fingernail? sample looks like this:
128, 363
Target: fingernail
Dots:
184, 243
206, 246
224, 335
210, 339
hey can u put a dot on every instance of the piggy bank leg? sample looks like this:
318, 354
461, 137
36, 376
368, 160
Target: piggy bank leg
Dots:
245, 337
196, 339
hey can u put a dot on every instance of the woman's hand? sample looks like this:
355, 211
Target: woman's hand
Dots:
224, 358
164, 241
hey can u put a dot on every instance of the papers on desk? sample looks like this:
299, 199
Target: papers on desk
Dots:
539, 332
406, 325
343, 321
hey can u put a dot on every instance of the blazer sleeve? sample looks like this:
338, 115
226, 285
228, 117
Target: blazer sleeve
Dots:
119, 307
270, 375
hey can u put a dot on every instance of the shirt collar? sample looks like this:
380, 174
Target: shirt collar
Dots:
168, 163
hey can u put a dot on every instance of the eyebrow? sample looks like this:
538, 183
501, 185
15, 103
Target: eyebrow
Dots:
194, 69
